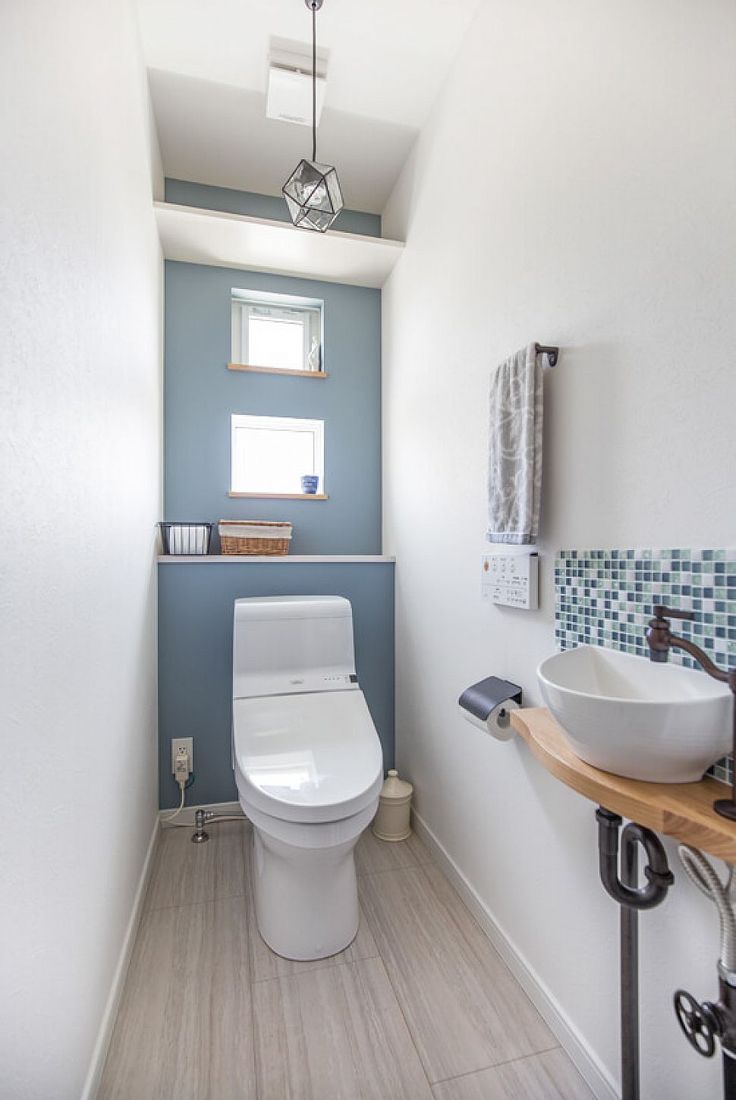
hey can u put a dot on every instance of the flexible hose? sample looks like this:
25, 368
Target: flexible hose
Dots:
208, 821
701, 872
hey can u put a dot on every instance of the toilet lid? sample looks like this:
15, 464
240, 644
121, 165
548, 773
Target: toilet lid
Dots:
314, 757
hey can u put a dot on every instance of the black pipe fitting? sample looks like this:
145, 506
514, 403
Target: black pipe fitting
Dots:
623, 889
657, 872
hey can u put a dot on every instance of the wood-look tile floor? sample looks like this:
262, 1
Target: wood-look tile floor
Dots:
419, 1007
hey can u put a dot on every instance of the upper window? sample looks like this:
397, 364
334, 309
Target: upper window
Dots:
276, 332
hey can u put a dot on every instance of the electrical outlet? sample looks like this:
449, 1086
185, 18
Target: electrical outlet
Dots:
187, 745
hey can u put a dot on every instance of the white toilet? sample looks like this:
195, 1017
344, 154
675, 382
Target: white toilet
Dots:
308, 766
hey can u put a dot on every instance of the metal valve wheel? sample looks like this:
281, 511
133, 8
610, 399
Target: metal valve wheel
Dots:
699, 1022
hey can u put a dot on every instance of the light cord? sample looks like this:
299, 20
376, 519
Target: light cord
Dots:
314, 81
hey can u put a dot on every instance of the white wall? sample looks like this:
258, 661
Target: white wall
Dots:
80, 412
574, 186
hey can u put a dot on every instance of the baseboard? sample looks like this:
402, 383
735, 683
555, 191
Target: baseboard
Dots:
186, 817
109, 1015
588, 1064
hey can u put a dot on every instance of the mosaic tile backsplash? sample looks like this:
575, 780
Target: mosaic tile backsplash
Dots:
605, 597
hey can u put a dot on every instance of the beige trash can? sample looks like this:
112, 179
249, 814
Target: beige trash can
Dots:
392, 822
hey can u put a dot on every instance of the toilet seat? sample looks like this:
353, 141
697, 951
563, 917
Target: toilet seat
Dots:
309, 759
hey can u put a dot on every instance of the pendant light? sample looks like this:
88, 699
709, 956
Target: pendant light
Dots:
312, 191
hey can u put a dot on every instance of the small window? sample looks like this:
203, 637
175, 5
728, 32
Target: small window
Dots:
276, 332
271, 454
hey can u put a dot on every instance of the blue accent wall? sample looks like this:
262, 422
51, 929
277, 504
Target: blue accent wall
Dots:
195, 654
272, 207
201, 395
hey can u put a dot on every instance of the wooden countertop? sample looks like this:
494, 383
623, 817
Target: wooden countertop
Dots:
683, 811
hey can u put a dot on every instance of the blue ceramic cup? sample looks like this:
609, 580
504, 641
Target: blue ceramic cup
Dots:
310, 483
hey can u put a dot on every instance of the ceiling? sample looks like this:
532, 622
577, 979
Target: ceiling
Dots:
208, 63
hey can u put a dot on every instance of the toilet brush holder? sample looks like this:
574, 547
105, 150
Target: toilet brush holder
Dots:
393, 820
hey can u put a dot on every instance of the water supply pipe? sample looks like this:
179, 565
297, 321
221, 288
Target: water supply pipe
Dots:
703, 1023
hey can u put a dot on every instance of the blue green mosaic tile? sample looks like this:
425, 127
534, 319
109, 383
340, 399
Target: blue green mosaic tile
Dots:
605, 597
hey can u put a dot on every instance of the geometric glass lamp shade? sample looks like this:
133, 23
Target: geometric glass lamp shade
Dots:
312, 191
313, 195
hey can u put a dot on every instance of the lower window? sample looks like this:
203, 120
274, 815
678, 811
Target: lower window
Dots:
271, 454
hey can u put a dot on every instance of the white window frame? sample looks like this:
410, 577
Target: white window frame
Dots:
245, 303
240, 421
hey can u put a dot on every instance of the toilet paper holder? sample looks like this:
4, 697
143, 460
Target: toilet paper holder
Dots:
488, 703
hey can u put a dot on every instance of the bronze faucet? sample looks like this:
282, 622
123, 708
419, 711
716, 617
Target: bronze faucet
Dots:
660, 640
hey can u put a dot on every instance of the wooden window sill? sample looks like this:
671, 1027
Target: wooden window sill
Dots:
278, 370
282, 496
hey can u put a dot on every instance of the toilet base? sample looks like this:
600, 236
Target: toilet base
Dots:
306, 895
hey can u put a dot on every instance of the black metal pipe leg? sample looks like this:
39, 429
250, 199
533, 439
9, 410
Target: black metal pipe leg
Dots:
629, 975
631, 897
729, 1077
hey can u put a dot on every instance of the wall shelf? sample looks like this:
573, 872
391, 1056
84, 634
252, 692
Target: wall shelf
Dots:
682, 811
218, 239
278, 370
279, 496
282, 559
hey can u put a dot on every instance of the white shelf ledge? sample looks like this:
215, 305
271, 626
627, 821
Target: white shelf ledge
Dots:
283, 559
236, 240
280, 496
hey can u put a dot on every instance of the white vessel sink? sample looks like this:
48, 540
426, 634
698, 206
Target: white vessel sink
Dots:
633, 717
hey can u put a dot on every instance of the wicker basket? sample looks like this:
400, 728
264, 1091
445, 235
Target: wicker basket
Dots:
255, 537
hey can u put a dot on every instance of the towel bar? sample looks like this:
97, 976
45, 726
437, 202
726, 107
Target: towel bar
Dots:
551, 353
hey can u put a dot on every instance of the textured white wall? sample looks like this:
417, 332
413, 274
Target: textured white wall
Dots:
574, 185
80, 412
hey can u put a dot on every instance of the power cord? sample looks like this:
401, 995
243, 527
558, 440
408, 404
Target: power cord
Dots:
170, 817
183, 786
185, 779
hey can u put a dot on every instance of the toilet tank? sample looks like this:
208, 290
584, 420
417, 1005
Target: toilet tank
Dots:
283, 645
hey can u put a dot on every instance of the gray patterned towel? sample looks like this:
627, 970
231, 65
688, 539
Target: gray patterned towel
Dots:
515, 449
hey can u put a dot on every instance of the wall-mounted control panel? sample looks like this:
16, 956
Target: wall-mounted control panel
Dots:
512, 579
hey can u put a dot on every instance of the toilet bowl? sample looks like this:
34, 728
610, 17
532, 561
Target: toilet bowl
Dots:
308, 767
